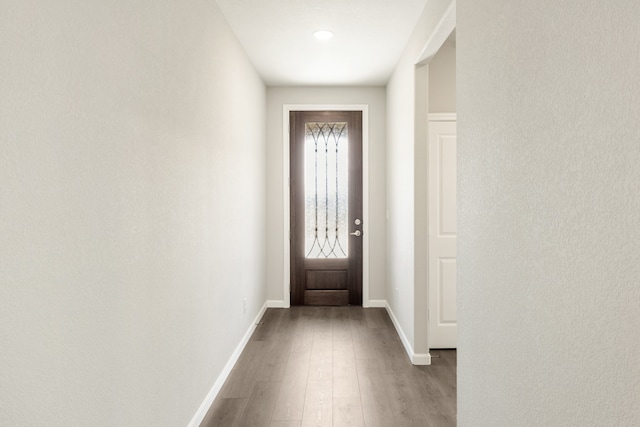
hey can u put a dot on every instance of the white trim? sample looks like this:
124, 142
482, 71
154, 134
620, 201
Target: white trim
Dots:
377, 303
276, 304
217, 386
444, 28
286, 109
442, 117
416, 359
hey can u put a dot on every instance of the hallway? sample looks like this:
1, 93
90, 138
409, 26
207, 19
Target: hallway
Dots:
333, 366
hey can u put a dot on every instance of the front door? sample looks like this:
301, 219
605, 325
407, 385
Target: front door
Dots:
326, 207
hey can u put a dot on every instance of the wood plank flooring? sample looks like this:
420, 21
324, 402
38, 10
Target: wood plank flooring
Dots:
334, 367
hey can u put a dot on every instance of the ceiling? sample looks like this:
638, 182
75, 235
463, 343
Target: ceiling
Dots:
369, 37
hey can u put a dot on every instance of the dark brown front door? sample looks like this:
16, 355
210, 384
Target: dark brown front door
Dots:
326, 207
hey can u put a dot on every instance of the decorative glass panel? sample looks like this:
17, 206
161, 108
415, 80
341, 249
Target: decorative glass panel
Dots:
326, 190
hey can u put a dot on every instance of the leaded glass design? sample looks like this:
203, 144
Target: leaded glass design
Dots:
326, 190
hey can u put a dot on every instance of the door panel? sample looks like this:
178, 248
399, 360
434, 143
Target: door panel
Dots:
447, 291
322, 279
446, 151
442, 235
326, 207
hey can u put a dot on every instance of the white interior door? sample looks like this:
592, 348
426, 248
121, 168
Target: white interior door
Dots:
442, 234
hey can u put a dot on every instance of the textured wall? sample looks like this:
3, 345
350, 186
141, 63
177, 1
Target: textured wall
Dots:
549, 155
131, 209
374, 97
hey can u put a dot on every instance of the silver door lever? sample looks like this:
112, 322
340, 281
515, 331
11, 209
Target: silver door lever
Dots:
356, 233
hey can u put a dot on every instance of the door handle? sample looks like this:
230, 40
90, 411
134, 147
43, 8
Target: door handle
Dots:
356, 233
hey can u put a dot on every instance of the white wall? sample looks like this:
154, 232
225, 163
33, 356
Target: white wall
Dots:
442, 79
132, 208
549, 155
406, 294
375, 98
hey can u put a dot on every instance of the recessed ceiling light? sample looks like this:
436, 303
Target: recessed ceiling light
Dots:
323, 35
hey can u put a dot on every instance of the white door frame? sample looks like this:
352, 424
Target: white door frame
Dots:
286, 194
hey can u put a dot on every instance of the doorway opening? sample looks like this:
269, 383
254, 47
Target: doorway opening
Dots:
441, 201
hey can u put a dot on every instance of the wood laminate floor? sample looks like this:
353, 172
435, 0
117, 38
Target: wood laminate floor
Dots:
334, 366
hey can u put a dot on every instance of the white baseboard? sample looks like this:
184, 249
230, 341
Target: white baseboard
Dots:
275, 304
377, 303
217, 386
416, 359
421, 359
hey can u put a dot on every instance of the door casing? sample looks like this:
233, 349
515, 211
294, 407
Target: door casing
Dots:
287, 108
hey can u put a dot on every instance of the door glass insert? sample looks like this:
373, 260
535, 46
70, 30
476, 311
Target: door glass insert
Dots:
326, 190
